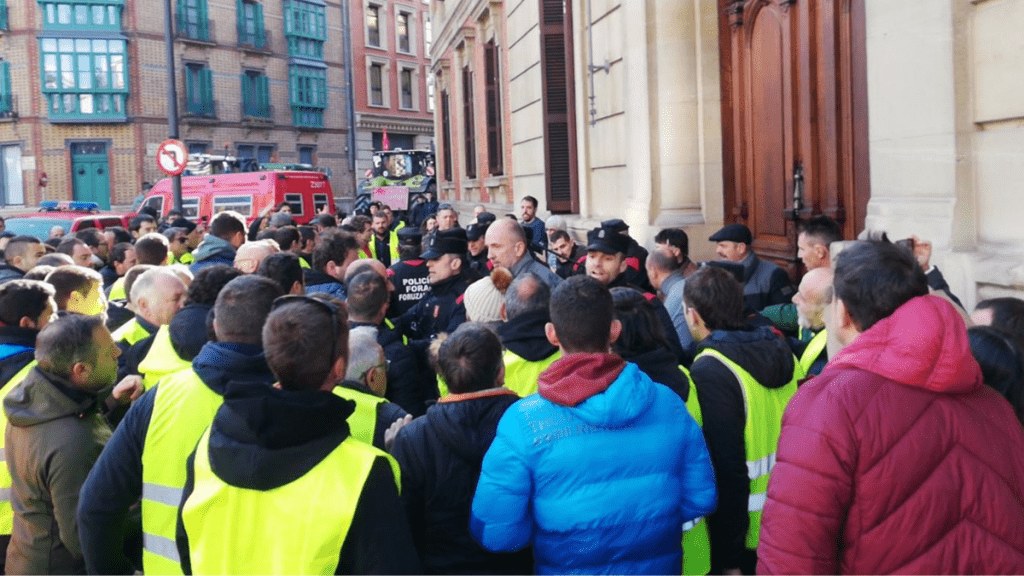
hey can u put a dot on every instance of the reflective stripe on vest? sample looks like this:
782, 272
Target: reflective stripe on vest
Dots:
184, 406
161, 360
391, 326
130, 332
763, 408
363, 422
812, 351
521, 375
235, 530
6, 513
392, 247
696, 543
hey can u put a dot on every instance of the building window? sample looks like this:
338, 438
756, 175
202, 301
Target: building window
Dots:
251, 31
430, 93
84, 79
78, 15
307, 155
428, 33
373, 25
199, 91
256, 95
469, 130
262, 153
446, 136
376, 84
402, 31
305, 25
193, 20
197, 147
405, 77
6, 96
492, 80
308, 95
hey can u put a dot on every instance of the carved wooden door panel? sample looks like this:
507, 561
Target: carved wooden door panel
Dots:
794, 118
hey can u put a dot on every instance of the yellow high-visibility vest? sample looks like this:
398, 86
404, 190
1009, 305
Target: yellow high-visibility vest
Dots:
6, 513
298, 528
696, 543
764, 408
161, 360
183, 408
521, 374
363, 422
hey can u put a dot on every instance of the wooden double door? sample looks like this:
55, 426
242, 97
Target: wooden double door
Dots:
794, 118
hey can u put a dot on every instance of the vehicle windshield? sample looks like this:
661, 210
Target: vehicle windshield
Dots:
399, 165
38, 226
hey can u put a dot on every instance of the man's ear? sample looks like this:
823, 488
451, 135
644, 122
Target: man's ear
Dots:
623, 265
500, 380
456, 264
504, 316
614, 332
27, 322
79, 373
297, 288
843, 320
520, 249
549, 331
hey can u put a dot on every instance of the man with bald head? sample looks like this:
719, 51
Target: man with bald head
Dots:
507, 247
156, 296
251, 254
810, 301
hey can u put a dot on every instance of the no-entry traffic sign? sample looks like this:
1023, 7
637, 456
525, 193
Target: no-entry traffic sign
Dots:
172, 157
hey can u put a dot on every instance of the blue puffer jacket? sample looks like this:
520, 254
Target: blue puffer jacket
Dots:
601, 487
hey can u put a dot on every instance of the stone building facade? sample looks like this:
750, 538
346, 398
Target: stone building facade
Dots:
87, 89
904, 118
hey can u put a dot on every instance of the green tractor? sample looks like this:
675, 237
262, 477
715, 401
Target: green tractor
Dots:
398, 178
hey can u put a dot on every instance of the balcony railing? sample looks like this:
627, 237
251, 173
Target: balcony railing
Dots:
8, 106
200, 109
253, 113
258, 41
201, 31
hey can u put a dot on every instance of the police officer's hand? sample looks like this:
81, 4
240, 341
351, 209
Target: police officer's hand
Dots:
128, 389
392, 431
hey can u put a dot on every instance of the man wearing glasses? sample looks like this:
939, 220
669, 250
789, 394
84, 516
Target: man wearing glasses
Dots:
178, 239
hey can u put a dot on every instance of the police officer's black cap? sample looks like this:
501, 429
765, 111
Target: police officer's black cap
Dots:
476, 231
409, 234
443, 242
607, 240
733, 233
615, 225
485, 218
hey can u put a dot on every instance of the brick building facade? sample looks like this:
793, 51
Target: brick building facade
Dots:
392, 90
83, 91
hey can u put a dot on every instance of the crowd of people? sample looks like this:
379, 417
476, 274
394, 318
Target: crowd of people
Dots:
376, 394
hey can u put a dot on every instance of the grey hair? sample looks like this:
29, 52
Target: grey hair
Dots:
527, 293
363, 352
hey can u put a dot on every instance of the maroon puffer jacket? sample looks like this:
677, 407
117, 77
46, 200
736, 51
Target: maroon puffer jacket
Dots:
897, 459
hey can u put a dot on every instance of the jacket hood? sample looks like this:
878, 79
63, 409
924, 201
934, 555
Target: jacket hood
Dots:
311, 276
466, 423
263, 438
663, 367
219, 363
213, 246
922, 344
524, 336
43, 397
576, 377
628, 397
8, 272
759, 351
188, 330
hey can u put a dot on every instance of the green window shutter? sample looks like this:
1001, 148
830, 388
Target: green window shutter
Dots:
190, 89
261, 40
243, 82
240, 20
206, 81
5, 86
263, 82
3, 14
181, 16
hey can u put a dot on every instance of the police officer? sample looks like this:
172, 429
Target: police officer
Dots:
410, 275
477, 255
442, 309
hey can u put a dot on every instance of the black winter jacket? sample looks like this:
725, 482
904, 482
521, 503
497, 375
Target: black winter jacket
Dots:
440, 455
409, 385
17, 349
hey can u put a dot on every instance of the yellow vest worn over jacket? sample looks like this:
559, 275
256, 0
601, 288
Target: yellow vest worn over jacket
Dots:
392, 247
521, 374
161, 360
6, 513
117, 290
363, 421
298, 528
130, 332
696, 543
183, 408
764, 408
812, 351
